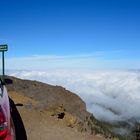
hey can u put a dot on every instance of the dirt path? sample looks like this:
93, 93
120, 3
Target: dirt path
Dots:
40, 125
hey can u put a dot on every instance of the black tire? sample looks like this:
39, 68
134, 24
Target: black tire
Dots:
18, 123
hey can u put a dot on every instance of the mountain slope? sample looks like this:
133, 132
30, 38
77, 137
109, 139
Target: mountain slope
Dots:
39, 100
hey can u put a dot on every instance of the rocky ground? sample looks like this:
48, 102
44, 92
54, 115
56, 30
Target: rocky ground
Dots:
52, 113
41, 125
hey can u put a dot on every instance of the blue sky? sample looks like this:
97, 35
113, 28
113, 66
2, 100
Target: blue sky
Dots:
106, 31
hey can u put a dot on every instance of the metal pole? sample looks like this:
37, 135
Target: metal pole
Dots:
3, 66
3, 48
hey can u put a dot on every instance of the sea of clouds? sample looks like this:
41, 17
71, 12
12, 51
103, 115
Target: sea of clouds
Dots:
110, 95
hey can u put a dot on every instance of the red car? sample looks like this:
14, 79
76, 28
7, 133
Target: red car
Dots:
11, 125
7, 131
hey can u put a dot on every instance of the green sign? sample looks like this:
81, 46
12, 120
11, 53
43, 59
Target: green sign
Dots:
3, 47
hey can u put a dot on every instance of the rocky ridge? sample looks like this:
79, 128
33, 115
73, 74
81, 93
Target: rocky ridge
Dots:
59, 103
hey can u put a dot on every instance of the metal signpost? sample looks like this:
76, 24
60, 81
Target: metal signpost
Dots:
3, 48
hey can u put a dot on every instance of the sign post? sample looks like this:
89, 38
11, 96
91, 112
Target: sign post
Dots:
3, 48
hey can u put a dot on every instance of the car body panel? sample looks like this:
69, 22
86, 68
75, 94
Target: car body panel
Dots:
5, 106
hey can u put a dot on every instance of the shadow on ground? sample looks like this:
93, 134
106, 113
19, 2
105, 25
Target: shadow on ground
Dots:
19, 126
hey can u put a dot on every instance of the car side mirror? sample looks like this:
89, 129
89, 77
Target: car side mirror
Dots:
7, 81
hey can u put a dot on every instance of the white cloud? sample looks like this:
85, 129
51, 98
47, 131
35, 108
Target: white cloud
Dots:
109, 95
52, 61
96, 60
